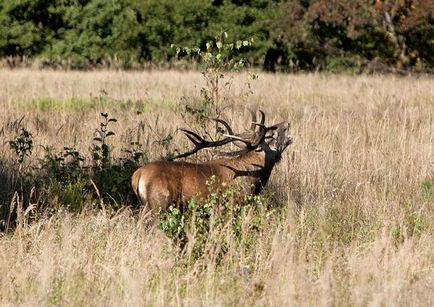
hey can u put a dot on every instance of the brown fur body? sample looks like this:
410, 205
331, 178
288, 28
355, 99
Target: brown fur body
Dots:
159, 184
162, 183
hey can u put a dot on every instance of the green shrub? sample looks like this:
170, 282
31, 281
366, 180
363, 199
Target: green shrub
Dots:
22, 145
67, 179
195, 226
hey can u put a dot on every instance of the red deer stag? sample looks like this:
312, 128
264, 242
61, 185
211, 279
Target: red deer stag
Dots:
162, 183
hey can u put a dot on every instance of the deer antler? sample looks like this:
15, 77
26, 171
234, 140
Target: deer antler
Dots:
248, 145
259, 136
221, 121
254, 123
253, 114
201, 143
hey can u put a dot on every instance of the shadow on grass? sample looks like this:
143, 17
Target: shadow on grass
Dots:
12, 184
66, 179
57, 186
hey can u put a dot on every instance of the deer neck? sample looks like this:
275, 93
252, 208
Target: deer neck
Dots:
254, 166
265, 157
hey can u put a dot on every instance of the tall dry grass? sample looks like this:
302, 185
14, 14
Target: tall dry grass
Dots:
356, 227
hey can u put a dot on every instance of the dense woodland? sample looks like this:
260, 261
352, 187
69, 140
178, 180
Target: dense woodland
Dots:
292, 35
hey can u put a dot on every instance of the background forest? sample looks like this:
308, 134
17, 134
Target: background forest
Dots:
293, 35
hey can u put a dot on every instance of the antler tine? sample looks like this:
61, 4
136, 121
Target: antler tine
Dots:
254, 123
224, 123
189, 135
200, 143
262, 131
259, 125
237, 138
229, 130
185, 154
253, 114
262, 117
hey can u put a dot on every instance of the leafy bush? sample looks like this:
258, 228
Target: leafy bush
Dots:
22, 145
66, 178
226, 210
289, 35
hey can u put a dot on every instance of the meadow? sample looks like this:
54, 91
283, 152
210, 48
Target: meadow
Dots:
347, 217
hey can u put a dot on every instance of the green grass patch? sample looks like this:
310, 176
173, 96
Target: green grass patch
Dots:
98, 103
49, 104
428, 188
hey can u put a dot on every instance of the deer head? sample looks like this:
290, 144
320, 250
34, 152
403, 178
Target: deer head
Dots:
278, 138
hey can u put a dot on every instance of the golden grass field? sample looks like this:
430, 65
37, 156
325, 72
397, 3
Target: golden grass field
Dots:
356, 189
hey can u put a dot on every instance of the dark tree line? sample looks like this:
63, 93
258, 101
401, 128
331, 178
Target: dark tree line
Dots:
289, 35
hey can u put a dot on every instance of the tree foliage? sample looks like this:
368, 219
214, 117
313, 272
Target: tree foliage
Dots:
289, 35
319, 33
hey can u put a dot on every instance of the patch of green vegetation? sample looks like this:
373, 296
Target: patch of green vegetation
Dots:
428, 188
98, 103
225, 210
75, 103
93, 33
68, 179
